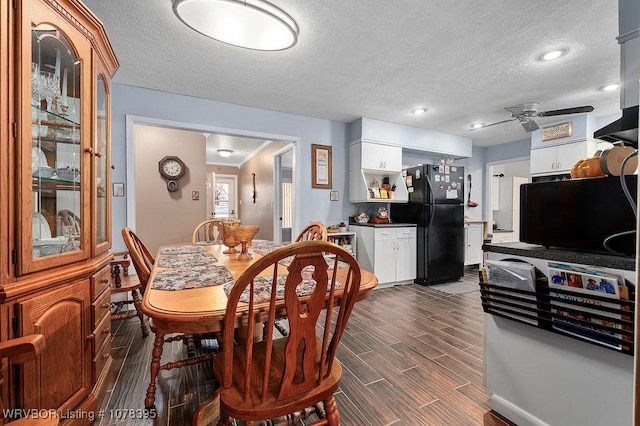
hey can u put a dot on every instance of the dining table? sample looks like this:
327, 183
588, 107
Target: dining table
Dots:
187, 294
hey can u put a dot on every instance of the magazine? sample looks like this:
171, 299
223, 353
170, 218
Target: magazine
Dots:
585, 282
513, 275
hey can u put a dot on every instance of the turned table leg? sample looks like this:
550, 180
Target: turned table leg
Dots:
155, 368
138, 305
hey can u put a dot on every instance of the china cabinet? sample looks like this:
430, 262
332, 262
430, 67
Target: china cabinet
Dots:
56, 65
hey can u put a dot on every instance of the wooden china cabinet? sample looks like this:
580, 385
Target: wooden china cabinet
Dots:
56, 65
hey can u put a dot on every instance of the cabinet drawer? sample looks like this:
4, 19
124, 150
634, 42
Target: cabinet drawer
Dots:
385, 234
101, 358
100, 281
406, 233
102, 331
100, 307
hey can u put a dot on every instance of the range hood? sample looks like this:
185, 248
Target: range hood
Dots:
625, 129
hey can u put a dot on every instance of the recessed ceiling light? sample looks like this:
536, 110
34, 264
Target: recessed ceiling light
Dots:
419, 111
609, 87
478, 125
225, 152
253, 24
554, 54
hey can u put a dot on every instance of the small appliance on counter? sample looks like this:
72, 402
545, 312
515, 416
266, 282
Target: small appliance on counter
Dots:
580, 214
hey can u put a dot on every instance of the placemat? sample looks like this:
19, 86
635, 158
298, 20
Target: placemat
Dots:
263, 247
328, 258
182, 278
262, 288
192, 248
177, 260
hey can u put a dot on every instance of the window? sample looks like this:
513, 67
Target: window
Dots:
287, 204
221, 207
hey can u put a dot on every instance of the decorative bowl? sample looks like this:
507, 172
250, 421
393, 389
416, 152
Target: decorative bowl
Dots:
44, 172
68, 174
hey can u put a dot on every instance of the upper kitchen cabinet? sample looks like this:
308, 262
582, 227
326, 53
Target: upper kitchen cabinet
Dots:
375, 156
56, 65
64, 71
375, 173
560, 158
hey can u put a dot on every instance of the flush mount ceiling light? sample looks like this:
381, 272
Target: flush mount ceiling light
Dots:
554, 54
477, 125
225, 152
252, 24
609, 87
419, 111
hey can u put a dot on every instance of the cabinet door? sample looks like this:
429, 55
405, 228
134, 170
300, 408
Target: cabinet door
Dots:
392, 158
406, 256
372, 156
55, 136
384, 257
543, 160
569, 154
61, 376
474, 244
101, 176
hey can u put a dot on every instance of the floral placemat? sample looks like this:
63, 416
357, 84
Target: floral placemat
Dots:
207, 243
263, 247
195, 259
262, 288
185, 277
183, 249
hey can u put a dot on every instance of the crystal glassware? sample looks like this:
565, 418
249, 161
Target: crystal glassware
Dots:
244, 234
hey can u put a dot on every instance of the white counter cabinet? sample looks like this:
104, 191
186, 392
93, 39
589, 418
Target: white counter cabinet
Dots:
389, 252
369, 162
473, 243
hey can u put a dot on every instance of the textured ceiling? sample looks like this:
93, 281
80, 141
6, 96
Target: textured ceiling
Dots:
463, 60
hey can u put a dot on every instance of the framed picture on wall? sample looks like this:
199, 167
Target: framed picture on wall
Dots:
320, 166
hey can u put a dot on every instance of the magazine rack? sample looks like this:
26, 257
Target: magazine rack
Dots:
593, 318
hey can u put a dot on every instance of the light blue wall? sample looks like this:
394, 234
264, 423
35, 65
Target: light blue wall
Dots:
310, 204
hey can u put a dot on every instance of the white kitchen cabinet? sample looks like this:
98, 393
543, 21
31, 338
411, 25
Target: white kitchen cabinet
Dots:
374, 156
371, 162
560, 158
389, 252
473, 243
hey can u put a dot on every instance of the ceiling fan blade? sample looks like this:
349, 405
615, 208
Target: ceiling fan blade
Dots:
493, 124
529, 125
575, 110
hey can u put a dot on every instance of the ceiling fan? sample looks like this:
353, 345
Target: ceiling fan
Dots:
526, 112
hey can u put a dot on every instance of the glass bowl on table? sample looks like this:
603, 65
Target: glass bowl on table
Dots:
244, 234
229, 237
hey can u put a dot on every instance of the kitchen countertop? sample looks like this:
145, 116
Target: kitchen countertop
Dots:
503, 231
563, 255
384, 225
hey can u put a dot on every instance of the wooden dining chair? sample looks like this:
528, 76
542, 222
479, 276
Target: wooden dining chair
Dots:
126, 284
143, 263
19, 351
278, 377
208, 231
314, 231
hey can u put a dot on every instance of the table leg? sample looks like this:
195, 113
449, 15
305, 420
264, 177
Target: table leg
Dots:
155, 368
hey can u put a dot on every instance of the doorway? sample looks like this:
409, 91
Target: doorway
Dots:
503, 198
222, 196
284, 192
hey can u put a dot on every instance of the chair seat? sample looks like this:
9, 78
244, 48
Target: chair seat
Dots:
232, 400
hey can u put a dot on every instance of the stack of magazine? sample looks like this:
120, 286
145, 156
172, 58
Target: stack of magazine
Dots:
514, 275
584, 282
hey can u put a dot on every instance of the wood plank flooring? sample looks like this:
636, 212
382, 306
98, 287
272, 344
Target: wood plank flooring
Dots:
411, 355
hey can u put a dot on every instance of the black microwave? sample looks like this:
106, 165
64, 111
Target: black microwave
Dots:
590, 215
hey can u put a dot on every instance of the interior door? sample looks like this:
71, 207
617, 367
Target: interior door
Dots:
225, 197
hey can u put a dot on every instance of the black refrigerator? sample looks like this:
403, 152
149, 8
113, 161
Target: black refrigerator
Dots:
436, 205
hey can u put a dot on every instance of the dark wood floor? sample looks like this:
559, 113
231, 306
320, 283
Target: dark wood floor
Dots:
411, 355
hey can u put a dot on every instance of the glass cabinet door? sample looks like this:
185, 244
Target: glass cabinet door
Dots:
57, 174
102, 164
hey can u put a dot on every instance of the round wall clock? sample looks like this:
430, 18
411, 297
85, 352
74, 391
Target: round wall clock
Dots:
171, 167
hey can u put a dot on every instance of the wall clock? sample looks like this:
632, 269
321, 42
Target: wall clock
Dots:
172, 169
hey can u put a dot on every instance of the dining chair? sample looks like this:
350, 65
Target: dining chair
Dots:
278, 378
125, 284
208, 231
143, 263
19, 351
314, 231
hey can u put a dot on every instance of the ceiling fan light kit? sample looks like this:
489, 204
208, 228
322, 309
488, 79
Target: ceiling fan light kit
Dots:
252, 24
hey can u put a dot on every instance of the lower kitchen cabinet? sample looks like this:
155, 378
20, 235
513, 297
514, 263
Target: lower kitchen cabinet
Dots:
473, 243
389, 252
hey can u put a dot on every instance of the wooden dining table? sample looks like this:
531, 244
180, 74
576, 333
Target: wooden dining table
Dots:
199, 310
